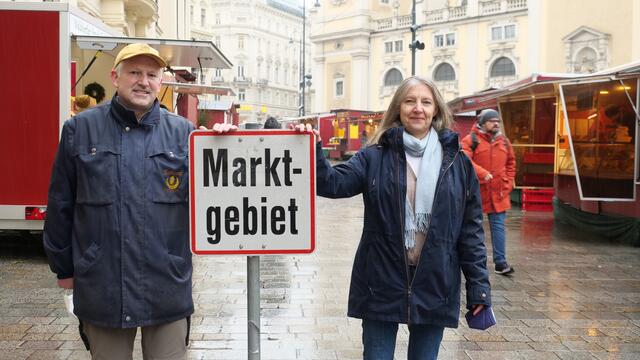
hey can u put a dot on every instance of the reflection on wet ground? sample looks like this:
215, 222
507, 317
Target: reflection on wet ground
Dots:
573, 296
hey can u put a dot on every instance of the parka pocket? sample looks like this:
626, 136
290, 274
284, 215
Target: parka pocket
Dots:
88, 259
179, 267
97, 174
168, 177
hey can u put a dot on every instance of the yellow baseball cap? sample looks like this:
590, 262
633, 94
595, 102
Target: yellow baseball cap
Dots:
137, 49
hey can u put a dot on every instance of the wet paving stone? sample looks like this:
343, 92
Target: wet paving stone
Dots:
573, 296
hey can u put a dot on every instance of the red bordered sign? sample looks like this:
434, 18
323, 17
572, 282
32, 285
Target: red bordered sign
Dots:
252, 192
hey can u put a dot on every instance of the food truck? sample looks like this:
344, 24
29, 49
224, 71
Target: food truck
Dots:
51, 52
576, 142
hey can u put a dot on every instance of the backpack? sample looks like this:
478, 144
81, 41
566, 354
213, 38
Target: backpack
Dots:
475, 142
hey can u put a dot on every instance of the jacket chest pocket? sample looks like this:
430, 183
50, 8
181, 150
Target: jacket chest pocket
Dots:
168, 176
97, 174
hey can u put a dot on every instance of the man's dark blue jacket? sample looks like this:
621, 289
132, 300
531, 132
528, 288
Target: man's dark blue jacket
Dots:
380, 287
117, 216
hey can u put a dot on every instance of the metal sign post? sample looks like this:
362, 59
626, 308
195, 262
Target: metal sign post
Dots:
253, 306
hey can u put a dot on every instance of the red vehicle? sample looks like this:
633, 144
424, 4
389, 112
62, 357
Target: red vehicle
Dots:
43, 45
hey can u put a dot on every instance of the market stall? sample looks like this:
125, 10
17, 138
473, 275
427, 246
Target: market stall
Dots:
576, 138
352, 129
597, 178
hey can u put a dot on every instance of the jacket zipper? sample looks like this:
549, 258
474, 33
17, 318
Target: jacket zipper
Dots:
404, 252
435, 195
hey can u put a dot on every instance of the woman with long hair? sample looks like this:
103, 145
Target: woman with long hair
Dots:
422, 225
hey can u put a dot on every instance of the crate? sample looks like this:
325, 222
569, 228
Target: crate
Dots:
537, 180
537, 195
537, 206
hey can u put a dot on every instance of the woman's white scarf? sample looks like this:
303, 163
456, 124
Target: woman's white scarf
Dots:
430, 150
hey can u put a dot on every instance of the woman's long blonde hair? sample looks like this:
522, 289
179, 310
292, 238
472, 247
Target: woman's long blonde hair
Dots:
442, 119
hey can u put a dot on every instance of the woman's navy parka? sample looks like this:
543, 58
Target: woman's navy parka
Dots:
380, 287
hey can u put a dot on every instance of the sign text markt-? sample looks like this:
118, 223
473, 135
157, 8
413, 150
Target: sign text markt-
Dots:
249, 217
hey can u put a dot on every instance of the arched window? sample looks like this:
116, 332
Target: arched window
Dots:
503, 67
444, 72
392, 78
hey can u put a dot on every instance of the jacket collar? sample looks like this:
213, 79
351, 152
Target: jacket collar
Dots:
127, 117
484, 134
450, 145
393, 137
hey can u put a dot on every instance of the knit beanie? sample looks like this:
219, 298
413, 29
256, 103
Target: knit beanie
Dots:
487, 114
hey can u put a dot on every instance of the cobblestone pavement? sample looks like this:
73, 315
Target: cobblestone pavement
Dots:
572, 297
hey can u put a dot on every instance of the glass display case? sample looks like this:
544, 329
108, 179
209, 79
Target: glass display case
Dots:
530, 126
601, 131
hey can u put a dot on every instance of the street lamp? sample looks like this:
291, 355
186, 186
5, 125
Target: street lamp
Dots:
415, 44
305, 79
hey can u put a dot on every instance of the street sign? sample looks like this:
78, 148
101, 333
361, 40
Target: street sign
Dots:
252, 192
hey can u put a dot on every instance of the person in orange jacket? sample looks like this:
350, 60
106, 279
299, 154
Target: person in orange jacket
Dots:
495, 164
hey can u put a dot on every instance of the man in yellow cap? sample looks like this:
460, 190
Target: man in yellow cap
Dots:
117, 223
137, 76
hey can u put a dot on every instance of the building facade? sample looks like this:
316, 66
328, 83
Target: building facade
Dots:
138, 18
264, 41
362, 47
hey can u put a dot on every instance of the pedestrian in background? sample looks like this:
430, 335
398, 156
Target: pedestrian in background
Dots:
271, 123
117, 223
422, 225
494, 162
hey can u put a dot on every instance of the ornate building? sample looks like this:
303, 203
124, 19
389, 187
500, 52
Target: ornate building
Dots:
263, 39
362, 47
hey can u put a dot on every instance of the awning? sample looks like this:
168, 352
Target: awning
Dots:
539, 85
474, 102
189, 53
632, 68
195, 89
224, 105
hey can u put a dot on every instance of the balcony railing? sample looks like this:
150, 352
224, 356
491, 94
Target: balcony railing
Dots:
435, 16
446, 14
500, 6
485, 8
516, 4
242, 79
394, 22
385, 24
489, 7
457, 12
403, 21
452, 13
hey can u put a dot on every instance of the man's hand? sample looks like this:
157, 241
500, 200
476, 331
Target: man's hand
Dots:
306, 129
66, 283
488, 177
221, 128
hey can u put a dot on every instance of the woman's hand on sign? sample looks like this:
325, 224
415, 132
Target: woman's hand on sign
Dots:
306, 128
221, 128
